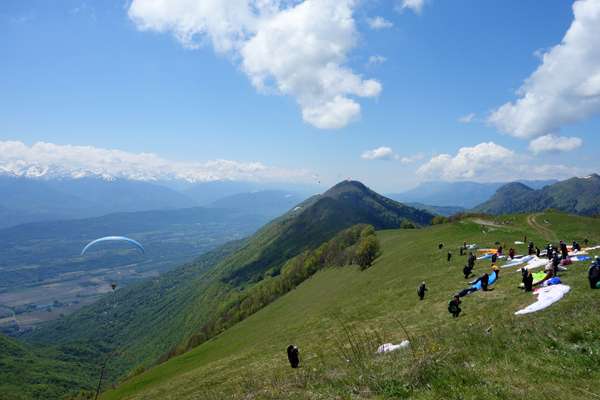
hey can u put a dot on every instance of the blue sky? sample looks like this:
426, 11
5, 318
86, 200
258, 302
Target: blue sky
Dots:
374, 91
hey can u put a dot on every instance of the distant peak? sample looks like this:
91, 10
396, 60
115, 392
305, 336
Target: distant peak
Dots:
514, 186
345, 187
592, 176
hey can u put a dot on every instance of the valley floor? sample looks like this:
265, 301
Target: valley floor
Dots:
339, 316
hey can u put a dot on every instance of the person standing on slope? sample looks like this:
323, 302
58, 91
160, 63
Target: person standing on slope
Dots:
421, 290
449, 256
511, 253
528, 280
530, 249
293, 356
454, 306
555, 264
471, 260
594, 274
563, 250
467, 271
494, 258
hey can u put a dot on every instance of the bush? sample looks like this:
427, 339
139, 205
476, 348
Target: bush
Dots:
439, 219
366, 251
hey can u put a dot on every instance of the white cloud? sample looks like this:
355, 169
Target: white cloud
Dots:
414, 5
376, 60
490, 162
292, 48
467, 119
378, 23
554, 143
411, 159
386, 153
48, 160
565, 88
380, 153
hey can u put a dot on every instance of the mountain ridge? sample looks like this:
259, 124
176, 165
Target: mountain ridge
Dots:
575, 195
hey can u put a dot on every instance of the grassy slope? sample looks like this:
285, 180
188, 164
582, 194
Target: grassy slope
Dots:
487, 353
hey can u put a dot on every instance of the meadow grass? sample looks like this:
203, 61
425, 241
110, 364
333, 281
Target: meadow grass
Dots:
339, 316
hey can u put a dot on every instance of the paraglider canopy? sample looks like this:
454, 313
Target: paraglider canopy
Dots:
113, 239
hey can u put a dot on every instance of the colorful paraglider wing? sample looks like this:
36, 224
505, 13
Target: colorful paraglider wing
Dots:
113, 239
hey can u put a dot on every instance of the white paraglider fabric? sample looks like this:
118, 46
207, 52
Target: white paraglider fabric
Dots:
518, 261
389, 347
546, 297
536, 262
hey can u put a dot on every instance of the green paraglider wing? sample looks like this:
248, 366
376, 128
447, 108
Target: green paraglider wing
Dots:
113, 239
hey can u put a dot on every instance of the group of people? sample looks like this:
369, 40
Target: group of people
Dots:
556, 256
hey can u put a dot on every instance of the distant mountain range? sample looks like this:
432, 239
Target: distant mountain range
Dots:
27, 199
271, 203
575, 195
456, 194
445, 211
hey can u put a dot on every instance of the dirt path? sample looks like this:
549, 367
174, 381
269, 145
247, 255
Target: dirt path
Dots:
545, 232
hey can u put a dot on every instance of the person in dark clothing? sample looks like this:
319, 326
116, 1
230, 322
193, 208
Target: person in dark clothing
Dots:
563, 250
449, 256
500, 250
421, 290
594, 274
528, 281
550, 252
440, 246
454, 306
471, 260
293, 356
462, 251
537, 251
555, 264
467, 271
494, 258
511, 253
576, 246
530, 249
485, 279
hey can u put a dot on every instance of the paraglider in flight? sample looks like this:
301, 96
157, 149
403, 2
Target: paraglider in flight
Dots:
113, 239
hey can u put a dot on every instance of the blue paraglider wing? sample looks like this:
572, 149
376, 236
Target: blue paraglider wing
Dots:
113, 239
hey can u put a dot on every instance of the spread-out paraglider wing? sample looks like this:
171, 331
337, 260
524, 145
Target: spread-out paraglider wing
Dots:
113, 239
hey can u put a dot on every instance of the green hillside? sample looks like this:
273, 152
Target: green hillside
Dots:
155, 319
37, 373
340, 315
576, 195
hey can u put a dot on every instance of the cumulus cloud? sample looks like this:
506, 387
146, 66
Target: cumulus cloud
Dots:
411, 159
467, 119
378, 23
554, 143
490, 162
48, 160
376, 60
414, 5
565, 88
380, 153
292, 48
386, 153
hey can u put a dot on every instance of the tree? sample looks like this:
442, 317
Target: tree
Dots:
367, 251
